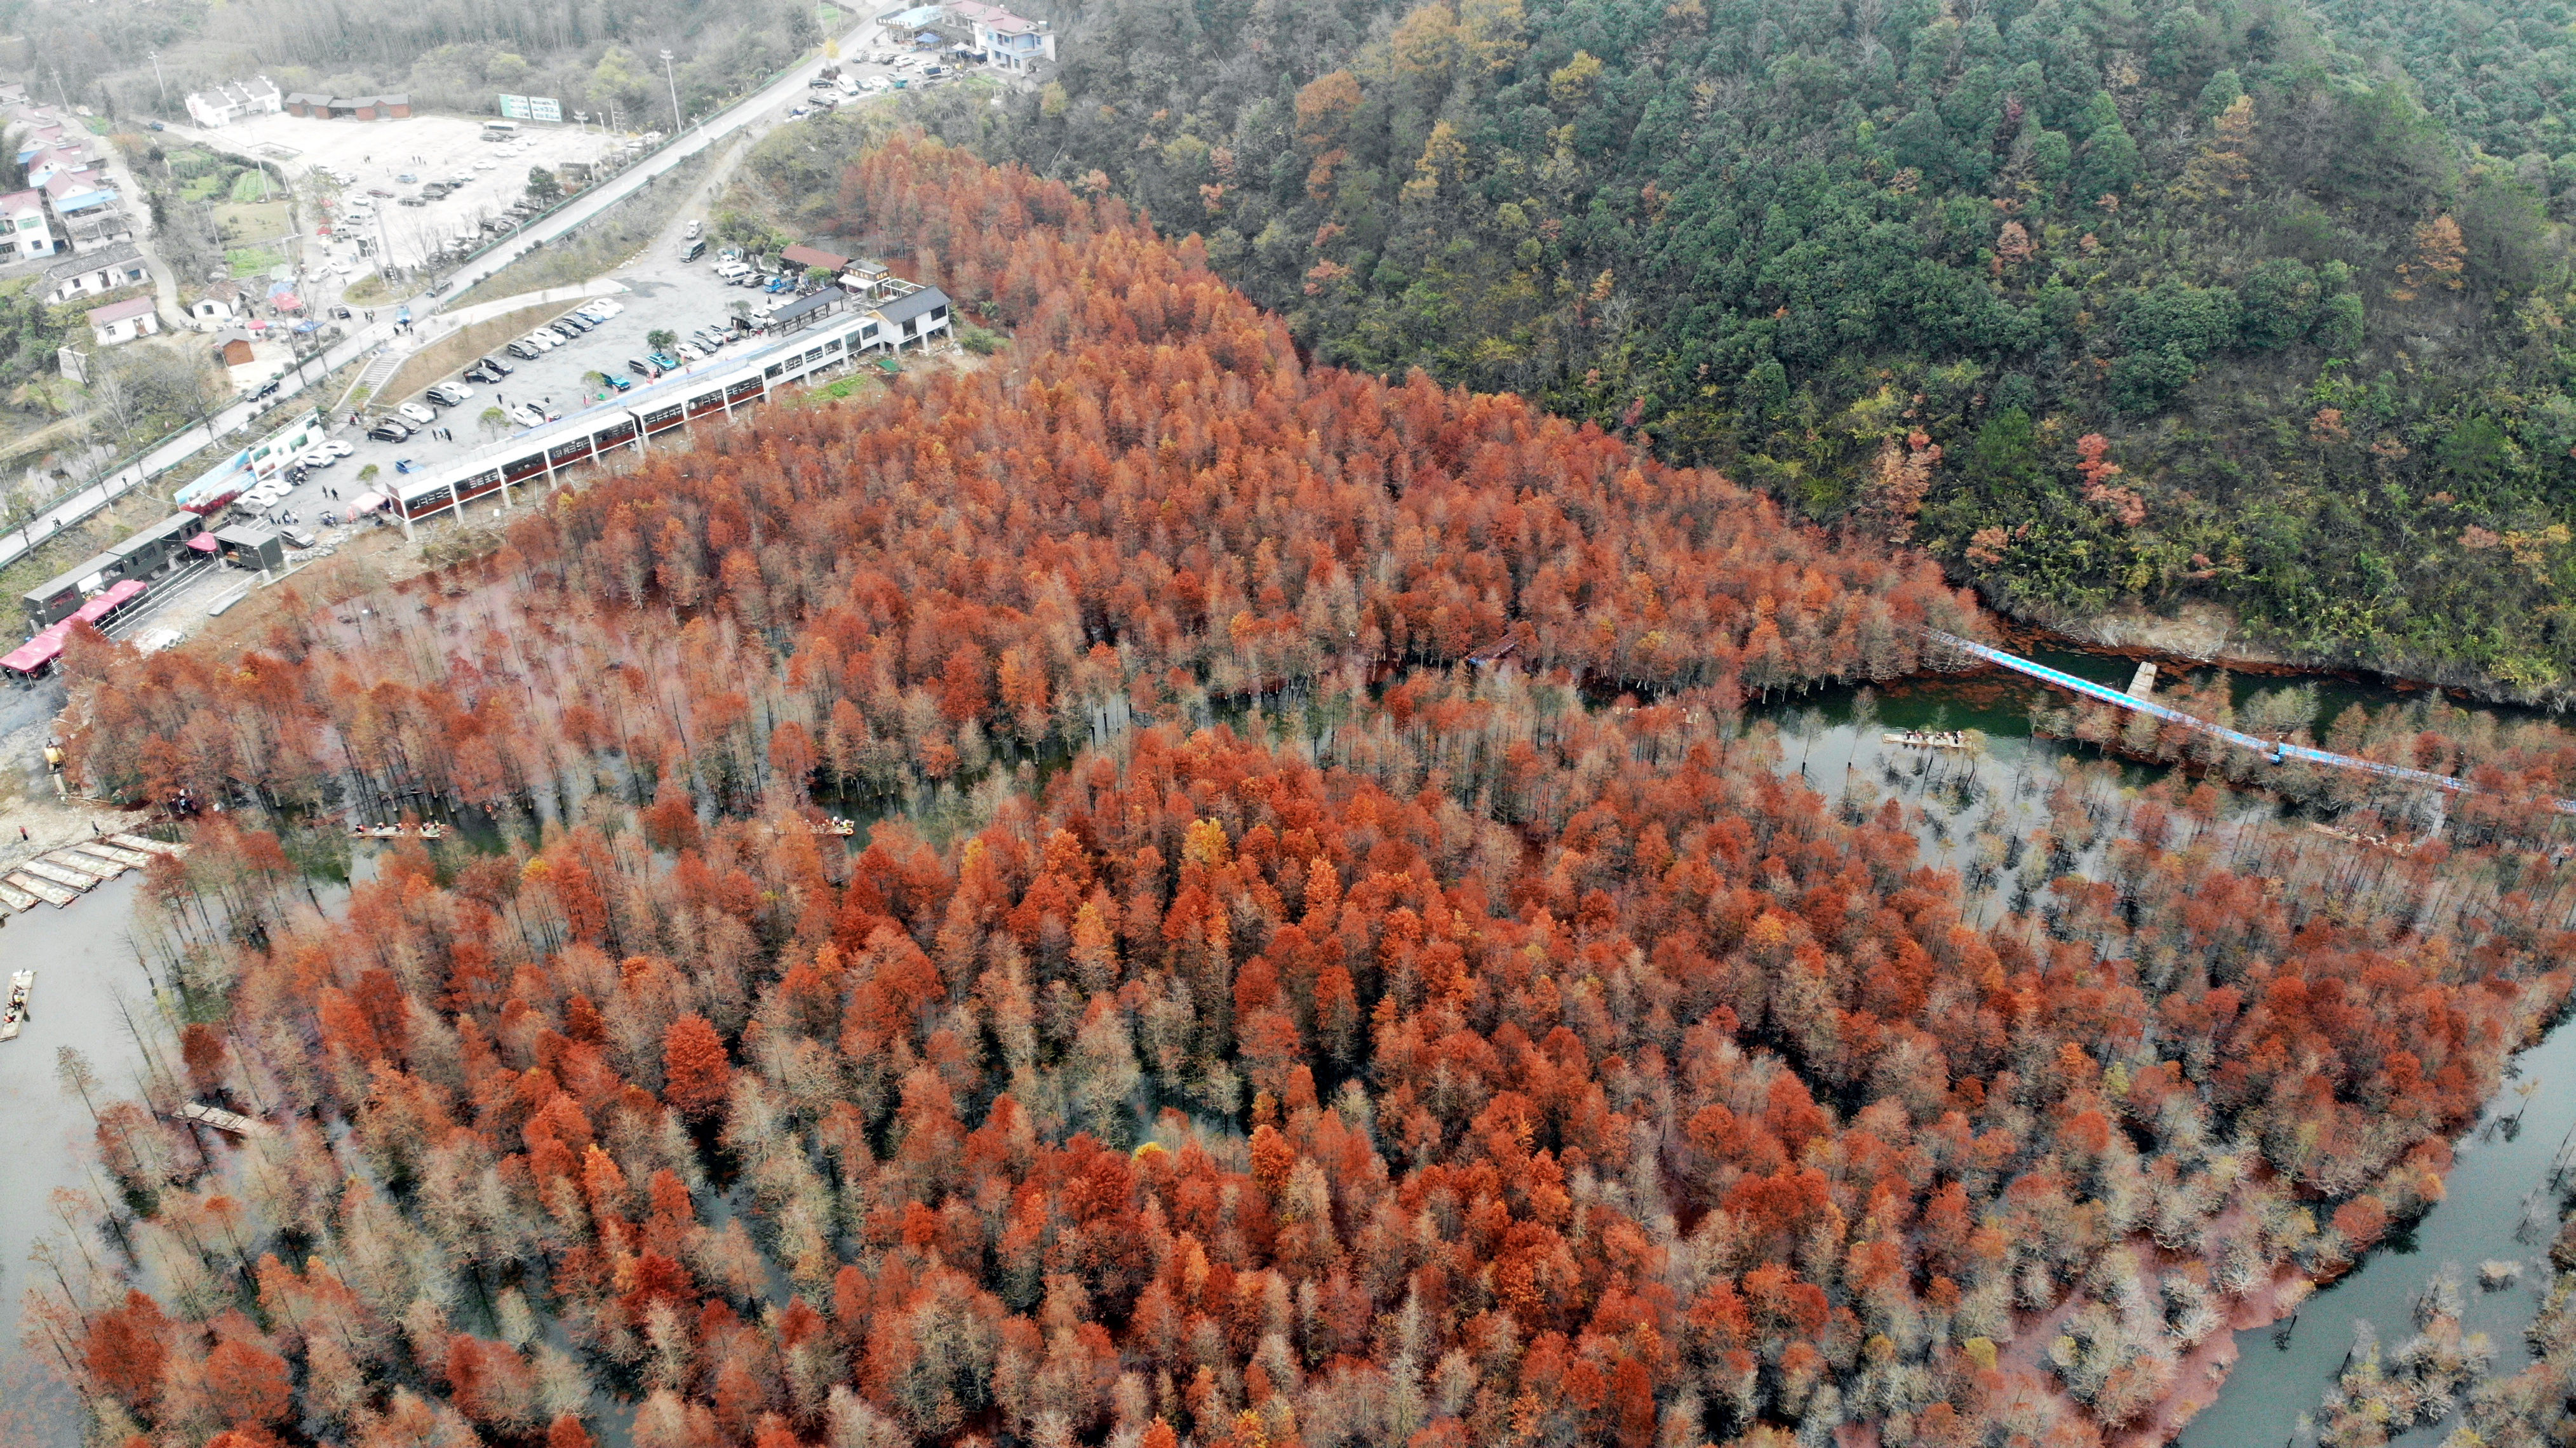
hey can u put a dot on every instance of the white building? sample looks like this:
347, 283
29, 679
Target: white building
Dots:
89, 275
124, 321
257, 96
26, 227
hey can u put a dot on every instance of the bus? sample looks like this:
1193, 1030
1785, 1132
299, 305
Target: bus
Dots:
500, 130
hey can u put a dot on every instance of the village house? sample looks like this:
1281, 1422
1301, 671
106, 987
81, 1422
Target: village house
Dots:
26, 227
223, 303
225, 104
91, 275
124, 321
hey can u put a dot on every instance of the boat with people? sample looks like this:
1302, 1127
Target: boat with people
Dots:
398, 832
21, 985
1929, 738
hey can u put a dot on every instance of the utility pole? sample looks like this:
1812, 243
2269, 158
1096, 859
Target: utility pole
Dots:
667, 74
157, 80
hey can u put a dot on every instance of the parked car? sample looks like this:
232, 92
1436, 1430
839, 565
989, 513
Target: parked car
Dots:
298, 538
694, 230
337, 448
418, 412
389, 431
690, 351
617, 381
450, 394
543, 340
524, 350
663, 360
415, 201
693, 248
407, 179
640, 367
527, 414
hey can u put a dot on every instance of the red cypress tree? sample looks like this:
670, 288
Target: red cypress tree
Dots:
695, 1071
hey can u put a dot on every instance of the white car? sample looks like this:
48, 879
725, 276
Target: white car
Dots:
487, 164
418, 413
526, 414
544, 341
338, 448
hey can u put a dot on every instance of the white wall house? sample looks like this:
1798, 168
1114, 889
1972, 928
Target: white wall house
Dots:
124, 321
225, 104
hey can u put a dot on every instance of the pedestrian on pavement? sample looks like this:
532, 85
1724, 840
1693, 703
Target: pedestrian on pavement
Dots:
22, 833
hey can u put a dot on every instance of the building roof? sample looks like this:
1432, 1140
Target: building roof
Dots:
308, 98
119, 311
18, 200
394, 98
918, 15
803, 255
92, 261
806, 306
912, 304
991, 17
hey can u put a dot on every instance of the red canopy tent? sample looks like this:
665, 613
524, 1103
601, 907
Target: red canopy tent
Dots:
110, 602
32, 656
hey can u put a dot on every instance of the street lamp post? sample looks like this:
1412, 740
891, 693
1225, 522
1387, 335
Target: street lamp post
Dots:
673, 77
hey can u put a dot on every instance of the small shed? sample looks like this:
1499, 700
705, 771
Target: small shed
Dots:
308, 103
247, 547
804, 258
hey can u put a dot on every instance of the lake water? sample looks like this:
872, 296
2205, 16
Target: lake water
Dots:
87, 976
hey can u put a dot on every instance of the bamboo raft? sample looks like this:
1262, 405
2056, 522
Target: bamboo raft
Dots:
397, 832
230, 1122
1953, 739
48, 870
21, 985
38, 888
17, 899
2376, 842
147, 844
89, 865
840, 827
114, 854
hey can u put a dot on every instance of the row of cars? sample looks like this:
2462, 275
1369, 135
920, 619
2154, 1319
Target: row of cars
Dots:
563, 330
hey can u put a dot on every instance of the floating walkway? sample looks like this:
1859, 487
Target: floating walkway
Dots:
2271, 749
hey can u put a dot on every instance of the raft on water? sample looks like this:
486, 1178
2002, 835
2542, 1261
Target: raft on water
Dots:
15, 1015
114, 855
42, 889
147, 844
88, 865
17, 899
1952, 739
231, 1122
48, 870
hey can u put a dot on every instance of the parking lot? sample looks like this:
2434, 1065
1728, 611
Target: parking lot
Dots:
660, 292
426, 148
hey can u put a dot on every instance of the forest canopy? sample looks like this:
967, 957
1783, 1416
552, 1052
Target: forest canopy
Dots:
1437, 1050
2302, 270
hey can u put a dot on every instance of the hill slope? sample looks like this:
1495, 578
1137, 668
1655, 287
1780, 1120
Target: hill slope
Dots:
1897, 261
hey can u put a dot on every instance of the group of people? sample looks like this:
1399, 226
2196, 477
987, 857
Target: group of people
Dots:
18, 1011
1953, 738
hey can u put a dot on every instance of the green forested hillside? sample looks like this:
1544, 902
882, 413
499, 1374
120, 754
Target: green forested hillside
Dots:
1904, 260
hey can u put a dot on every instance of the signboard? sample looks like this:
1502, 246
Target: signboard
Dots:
545, 108
514, 108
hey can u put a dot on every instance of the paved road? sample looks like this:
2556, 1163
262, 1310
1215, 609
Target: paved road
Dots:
745, 113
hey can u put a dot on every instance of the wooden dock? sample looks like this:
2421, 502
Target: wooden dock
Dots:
228, 1122
147, 844
42, 889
